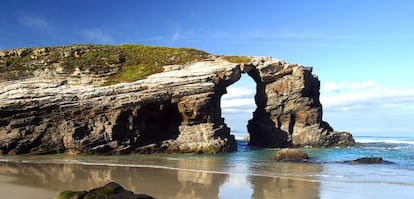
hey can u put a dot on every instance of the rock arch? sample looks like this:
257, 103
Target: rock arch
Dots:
177, 110
288, 111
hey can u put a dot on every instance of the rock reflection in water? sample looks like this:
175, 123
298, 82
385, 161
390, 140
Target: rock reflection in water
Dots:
160, 183
198, 177
289, 180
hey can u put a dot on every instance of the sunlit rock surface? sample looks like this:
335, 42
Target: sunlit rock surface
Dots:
177, 110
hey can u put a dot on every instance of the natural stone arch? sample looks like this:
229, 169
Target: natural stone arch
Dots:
288, 111
58, 117
262, 130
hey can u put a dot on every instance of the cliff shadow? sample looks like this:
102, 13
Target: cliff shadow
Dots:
158, 122
149, 124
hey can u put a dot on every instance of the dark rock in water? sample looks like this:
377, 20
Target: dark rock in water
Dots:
369, 160
290, 155
110, 190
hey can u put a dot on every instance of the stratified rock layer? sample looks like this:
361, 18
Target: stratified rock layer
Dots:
177, 110
289, 112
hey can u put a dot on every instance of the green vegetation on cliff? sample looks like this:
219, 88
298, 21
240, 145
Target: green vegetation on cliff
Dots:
123, 63
116, 64
141, 61
237, 59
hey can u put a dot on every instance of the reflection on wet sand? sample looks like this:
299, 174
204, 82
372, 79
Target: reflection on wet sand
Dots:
295, 180
160, 183
184, 178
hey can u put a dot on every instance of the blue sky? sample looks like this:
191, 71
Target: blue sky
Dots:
360, 49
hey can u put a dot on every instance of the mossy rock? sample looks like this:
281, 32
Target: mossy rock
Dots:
290, 155
107, 190
71, 194
110, 190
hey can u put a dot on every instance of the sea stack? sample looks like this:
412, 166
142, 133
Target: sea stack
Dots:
74, 99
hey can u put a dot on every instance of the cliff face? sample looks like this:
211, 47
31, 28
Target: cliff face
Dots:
177, 110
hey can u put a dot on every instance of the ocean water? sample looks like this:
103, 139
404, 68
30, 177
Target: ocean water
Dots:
247, 173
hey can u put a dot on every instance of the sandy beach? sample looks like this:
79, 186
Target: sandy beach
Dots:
12, 189
46, 180
244, 174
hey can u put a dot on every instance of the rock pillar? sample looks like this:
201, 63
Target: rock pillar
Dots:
289, 112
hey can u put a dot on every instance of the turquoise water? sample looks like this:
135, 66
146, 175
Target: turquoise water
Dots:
247, 173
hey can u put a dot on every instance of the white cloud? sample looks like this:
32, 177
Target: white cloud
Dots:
338, 87
334, 97
241, 103
237, 110
366, 95
237, 92
238, 100
97, 35
331, 86
363, 85
33, 21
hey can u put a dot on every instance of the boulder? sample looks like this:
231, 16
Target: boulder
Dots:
369, 160
290, 155
110, 190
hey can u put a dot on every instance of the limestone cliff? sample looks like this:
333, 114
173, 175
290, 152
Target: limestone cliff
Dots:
177, 110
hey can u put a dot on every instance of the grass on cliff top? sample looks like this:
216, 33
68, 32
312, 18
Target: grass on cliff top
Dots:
142, 61
129, 62
122, 63
237, 59
137, 61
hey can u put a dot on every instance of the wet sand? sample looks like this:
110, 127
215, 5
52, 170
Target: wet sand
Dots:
226, 176
10, 190
245, 174
46, 180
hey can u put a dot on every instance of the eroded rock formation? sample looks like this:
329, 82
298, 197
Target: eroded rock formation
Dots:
177, 110
289, 112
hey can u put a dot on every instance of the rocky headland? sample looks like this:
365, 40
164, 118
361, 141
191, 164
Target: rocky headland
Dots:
136, 99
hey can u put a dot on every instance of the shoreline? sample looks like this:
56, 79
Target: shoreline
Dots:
250, 173
47, 180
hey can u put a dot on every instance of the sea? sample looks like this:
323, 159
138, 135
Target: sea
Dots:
247, 173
